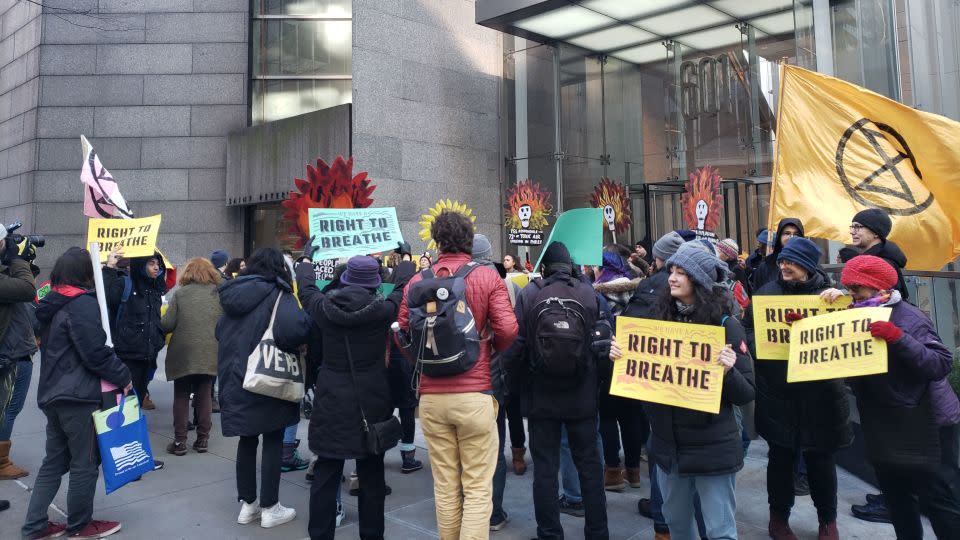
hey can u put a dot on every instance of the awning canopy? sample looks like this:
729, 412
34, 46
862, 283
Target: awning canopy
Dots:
635, 30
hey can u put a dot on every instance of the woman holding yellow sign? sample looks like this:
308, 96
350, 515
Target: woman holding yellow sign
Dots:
813, 417
909, 414
699, 453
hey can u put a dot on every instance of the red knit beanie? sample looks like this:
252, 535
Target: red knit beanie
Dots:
869, 271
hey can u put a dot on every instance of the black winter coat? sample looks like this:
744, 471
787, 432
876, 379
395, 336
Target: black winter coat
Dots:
768, 269
73, 354
644, 299
891, 253
135, 324
811, 415
700, 443
548, 399
247, 303
361, 317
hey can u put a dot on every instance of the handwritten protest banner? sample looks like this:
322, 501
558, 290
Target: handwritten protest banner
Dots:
670, 363
344, 232
837, 345
772, 333
137, 237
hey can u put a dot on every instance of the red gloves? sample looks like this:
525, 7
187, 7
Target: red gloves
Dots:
791, 317
886, 331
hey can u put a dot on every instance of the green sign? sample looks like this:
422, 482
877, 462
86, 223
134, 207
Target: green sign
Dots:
345, 232
578, 230
43, 290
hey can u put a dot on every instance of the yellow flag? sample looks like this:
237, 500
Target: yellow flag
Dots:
842, 149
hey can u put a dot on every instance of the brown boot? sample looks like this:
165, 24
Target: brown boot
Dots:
519, 465
633, 477
147, 404
9, 471
828, 531
779, 527
613, 479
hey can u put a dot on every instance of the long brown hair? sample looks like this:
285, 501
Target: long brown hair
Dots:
199, 270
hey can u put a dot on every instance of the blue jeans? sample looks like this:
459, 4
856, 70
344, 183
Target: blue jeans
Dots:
569, 478
717, 498
290, 433
21, 385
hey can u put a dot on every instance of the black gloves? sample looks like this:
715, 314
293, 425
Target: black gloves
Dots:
24, 250
601, 337
309, 248
403, 248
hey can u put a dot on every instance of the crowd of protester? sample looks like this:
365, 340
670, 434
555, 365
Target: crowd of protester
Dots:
540, 348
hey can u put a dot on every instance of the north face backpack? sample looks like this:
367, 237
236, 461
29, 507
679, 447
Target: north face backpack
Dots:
560, 329
443, 334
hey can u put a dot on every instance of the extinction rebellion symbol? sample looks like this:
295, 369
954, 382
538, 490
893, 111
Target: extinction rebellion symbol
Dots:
877, 169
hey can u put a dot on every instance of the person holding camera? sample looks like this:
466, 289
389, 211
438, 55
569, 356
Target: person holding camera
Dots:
17, 342
17, 288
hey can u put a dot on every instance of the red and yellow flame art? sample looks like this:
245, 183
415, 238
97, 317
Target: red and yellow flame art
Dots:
614, 194
703, 185
326, 186
527, 192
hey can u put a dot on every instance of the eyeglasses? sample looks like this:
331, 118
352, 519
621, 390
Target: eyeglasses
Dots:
855, 227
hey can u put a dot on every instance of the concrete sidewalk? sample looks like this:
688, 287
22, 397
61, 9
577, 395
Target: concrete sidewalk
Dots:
194, 497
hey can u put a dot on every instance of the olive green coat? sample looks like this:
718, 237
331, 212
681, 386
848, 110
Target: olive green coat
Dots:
192, 317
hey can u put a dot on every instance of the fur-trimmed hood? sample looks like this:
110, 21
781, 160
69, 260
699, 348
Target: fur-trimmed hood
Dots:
617, 286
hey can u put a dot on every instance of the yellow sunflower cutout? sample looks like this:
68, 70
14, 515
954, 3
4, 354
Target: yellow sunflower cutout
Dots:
426, 220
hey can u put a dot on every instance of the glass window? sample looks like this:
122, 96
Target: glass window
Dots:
302, 57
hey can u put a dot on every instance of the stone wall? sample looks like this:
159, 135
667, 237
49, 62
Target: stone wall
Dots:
425, 108
155, 85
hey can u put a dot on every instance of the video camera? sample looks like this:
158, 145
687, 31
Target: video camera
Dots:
12, 238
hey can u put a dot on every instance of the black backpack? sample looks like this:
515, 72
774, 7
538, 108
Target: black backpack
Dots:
562, 317
443, 333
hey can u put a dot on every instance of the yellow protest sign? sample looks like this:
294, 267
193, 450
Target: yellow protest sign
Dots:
522, 280
137, 237
772, 334
837, 345
669, 363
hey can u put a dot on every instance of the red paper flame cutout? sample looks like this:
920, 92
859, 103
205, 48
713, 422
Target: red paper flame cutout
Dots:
327, 186
703, 185
529, 193
614, 194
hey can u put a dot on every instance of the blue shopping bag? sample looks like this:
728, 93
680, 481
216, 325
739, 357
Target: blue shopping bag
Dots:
124, 443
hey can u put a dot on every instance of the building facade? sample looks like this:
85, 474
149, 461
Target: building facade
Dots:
164, 88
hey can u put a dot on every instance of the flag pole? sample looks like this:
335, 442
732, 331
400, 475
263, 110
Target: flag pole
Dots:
101, 291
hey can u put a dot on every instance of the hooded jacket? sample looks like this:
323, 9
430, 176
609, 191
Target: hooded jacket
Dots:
891, 253
548, 399
768, 270
191, 318
135, 323
16, 287
488, 300
247, 303
901, 411
361, 317
806, 415
73, 354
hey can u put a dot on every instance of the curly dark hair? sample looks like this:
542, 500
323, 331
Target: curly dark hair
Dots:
453, 232
712, 305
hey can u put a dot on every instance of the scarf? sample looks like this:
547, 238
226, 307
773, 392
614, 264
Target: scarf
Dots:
68, 290
882, 298
685, 310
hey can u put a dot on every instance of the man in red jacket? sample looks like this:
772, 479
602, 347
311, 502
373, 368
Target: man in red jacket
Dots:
458, 414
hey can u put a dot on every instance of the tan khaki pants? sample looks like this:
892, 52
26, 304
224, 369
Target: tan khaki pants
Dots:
461, 433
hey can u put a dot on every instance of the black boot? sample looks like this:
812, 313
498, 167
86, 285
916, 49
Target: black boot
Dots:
4, 504
410, 463
291, 459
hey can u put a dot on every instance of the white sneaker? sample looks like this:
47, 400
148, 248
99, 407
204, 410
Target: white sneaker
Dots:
276, 515
249, 512
340, 514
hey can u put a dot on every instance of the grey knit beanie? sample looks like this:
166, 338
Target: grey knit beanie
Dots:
704, 268
667, 245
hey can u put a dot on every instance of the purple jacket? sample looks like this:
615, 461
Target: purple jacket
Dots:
918, 361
